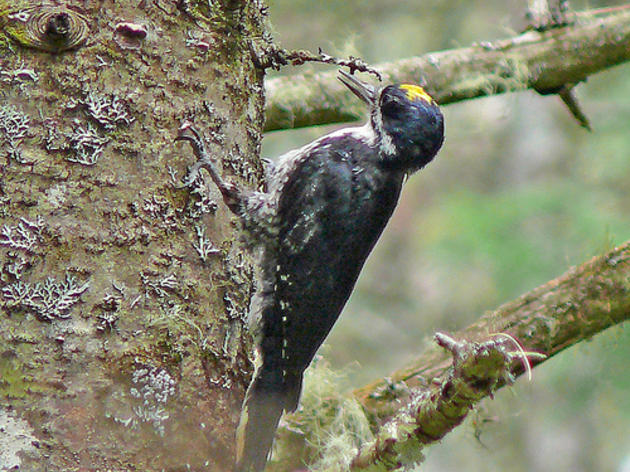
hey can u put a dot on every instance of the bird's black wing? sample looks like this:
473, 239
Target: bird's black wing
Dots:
331, 210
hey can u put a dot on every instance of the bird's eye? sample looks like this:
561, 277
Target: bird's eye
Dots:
390, 105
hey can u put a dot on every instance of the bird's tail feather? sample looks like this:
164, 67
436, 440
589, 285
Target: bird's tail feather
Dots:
267, 396
292, 390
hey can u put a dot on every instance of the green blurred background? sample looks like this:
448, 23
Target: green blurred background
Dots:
517, 195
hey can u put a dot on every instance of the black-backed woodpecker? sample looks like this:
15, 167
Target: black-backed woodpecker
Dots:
325, 207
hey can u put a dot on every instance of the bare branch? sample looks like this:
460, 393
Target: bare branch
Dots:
543, 61
277, 57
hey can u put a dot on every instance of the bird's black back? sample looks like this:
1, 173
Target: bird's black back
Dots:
331, 213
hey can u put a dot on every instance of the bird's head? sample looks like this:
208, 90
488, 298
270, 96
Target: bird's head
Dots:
408, 122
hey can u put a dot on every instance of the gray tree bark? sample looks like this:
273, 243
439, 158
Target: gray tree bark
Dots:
122, 296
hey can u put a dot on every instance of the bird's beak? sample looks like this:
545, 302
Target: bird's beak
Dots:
365, 92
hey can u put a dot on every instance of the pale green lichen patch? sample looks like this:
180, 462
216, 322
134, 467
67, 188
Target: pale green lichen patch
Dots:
330, 423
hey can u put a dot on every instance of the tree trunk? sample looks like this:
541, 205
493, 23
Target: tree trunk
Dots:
123, 295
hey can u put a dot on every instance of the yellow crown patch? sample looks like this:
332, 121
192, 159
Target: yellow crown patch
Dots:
415, 92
